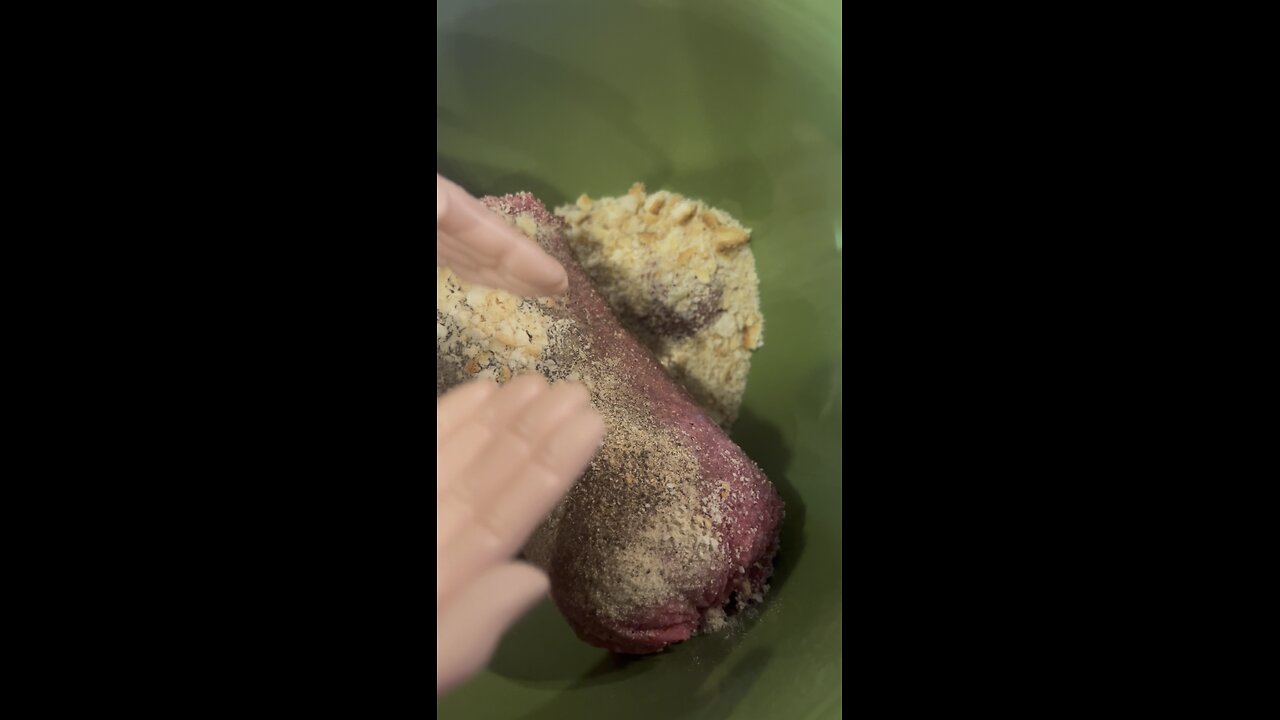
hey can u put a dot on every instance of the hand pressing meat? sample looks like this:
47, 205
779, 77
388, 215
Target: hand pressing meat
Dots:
671, 521
504, 457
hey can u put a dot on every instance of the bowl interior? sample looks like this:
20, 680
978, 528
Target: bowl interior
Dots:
737, 103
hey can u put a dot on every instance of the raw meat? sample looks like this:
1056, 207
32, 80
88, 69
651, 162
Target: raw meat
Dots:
672, 522
681, 276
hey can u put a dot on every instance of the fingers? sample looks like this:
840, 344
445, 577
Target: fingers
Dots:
533, 430
452, 412
459, 404
483, 248
461, 256
467, 631
497, 527
516, 438
561, 461
528, 264
482, 232
477, 440
517, 264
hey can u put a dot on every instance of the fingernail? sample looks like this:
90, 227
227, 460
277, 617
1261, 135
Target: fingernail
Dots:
552, 273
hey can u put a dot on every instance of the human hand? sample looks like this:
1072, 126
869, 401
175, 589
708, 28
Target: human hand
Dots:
481, 247
504, 457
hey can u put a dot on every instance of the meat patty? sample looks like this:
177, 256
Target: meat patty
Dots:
681, 276
671, 521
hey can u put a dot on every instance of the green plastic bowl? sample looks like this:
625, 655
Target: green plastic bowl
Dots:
739, 104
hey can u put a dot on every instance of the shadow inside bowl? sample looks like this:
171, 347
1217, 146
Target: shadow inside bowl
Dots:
763, 443
706, 689
541, 649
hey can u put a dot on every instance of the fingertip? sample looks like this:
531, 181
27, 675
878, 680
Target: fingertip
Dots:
473, 391
540, 274
573, 392
591, 426
598, 428
528, 382
534, 580
561, 284
523, 585
573, 444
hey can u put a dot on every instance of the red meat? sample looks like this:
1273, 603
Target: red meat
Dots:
672, 522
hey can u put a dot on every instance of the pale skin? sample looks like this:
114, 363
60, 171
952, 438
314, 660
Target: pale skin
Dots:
504, 455
483, 248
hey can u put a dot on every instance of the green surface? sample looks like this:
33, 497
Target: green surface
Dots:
738, 104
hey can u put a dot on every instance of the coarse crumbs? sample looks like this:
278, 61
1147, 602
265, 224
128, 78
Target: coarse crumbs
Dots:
681, 276
714, 620
484, 333
646, 530
651, 531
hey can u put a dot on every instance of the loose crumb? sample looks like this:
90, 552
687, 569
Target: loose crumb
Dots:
649, 530
681, 276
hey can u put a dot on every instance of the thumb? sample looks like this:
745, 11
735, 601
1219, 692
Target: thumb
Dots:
467, 630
